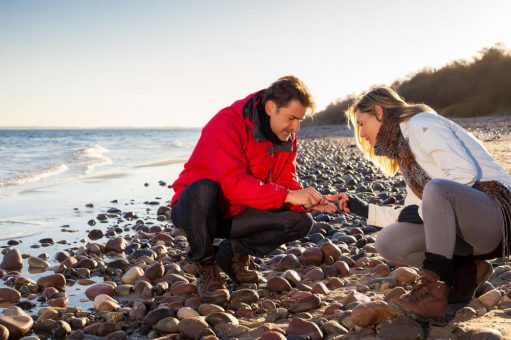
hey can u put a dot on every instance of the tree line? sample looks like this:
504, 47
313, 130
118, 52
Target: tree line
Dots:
479, 87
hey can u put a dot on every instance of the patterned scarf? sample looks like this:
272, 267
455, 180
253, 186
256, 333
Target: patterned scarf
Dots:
391, 143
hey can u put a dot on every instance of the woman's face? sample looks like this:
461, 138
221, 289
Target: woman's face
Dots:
368, 125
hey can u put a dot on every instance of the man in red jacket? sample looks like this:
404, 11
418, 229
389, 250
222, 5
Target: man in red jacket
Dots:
240, 184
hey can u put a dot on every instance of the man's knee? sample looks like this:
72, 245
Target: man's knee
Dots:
301, 225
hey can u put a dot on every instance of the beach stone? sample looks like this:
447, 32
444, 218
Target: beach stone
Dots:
311, 257
484, 334
61, 330
156, 315
132, 274
244, 295
182, 288
61, 302
215, 319
4, 332
394, 294
34, 262
14, 311
95, 234
123, 290
333, 328
121, 264
306, 304
138, 311
267, 305
354, 296
370, 313
333, 308
49, 292
298, 326
291, 276
491, 298
12, 260
167, 325
9, 295
117, 244
118, 335
330, 250
277, 314
272, 335
381, 270
87, 263
192, 327
79, 322
105, 303
18, 326
289, 261
401, 329
314, 274
278, 284
320, 288
46, 313
209, 308
100, 329
99, 288
143, 289
465, 314
404, 275
342, 268
186, 312
156, 270
54, 280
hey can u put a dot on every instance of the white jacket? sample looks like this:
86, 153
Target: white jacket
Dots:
444, 150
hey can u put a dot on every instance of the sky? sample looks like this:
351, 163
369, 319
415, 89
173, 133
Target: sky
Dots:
123, 63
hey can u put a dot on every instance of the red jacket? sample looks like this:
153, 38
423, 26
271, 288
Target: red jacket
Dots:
251, 171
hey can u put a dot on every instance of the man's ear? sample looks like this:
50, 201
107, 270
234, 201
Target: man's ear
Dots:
270, 107
379, 112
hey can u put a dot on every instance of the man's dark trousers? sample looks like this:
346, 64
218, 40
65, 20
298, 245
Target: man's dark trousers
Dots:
253, 232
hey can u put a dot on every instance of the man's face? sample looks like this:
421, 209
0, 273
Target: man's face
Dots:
285, 120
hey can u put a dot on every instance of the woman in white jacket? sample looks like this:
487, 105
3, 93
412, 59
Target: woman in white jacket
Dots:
458, 203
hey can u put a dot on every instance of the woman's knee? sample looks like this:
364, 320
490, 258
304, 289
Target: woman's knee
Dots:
400, 243
436, 189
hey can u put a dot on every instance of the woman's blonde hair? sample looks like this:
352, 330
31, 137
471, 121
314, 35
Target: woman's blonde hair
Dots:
394, 108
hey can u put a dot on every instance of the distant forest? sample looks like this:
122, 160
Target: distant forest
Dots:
479, 87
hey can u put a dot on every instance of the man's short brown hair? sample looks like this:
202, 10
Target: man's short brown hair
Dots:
288, 88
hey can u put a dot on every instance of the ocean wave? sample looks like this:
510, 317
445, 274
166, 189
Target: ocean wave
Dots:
34, 176
91, 157
177, 143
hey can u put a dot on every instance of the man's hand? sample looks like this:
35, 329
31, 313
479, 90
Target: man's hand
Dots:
324, 206
307, 198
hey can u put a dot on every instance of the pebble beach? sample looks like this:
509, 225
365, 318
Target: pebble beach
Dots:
116, 267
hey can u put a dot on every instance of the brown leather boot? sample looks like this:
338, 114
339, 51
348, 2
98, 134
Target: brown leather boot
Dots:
244, 269
470, 274
427, 302
210, 285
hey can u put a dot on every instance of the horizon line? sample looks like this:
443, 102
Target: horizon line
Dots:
94, 127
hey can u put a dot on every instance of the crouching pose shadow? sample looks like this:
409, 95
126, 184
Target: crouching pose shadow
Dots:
458, 205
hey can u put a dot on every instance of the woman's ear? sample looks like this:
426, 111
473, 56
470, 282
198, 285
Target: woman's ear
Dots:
379, 112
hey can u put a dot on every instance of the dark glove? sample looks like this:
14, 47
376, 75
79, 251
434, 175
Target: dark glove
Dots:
410, 214
358, 206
